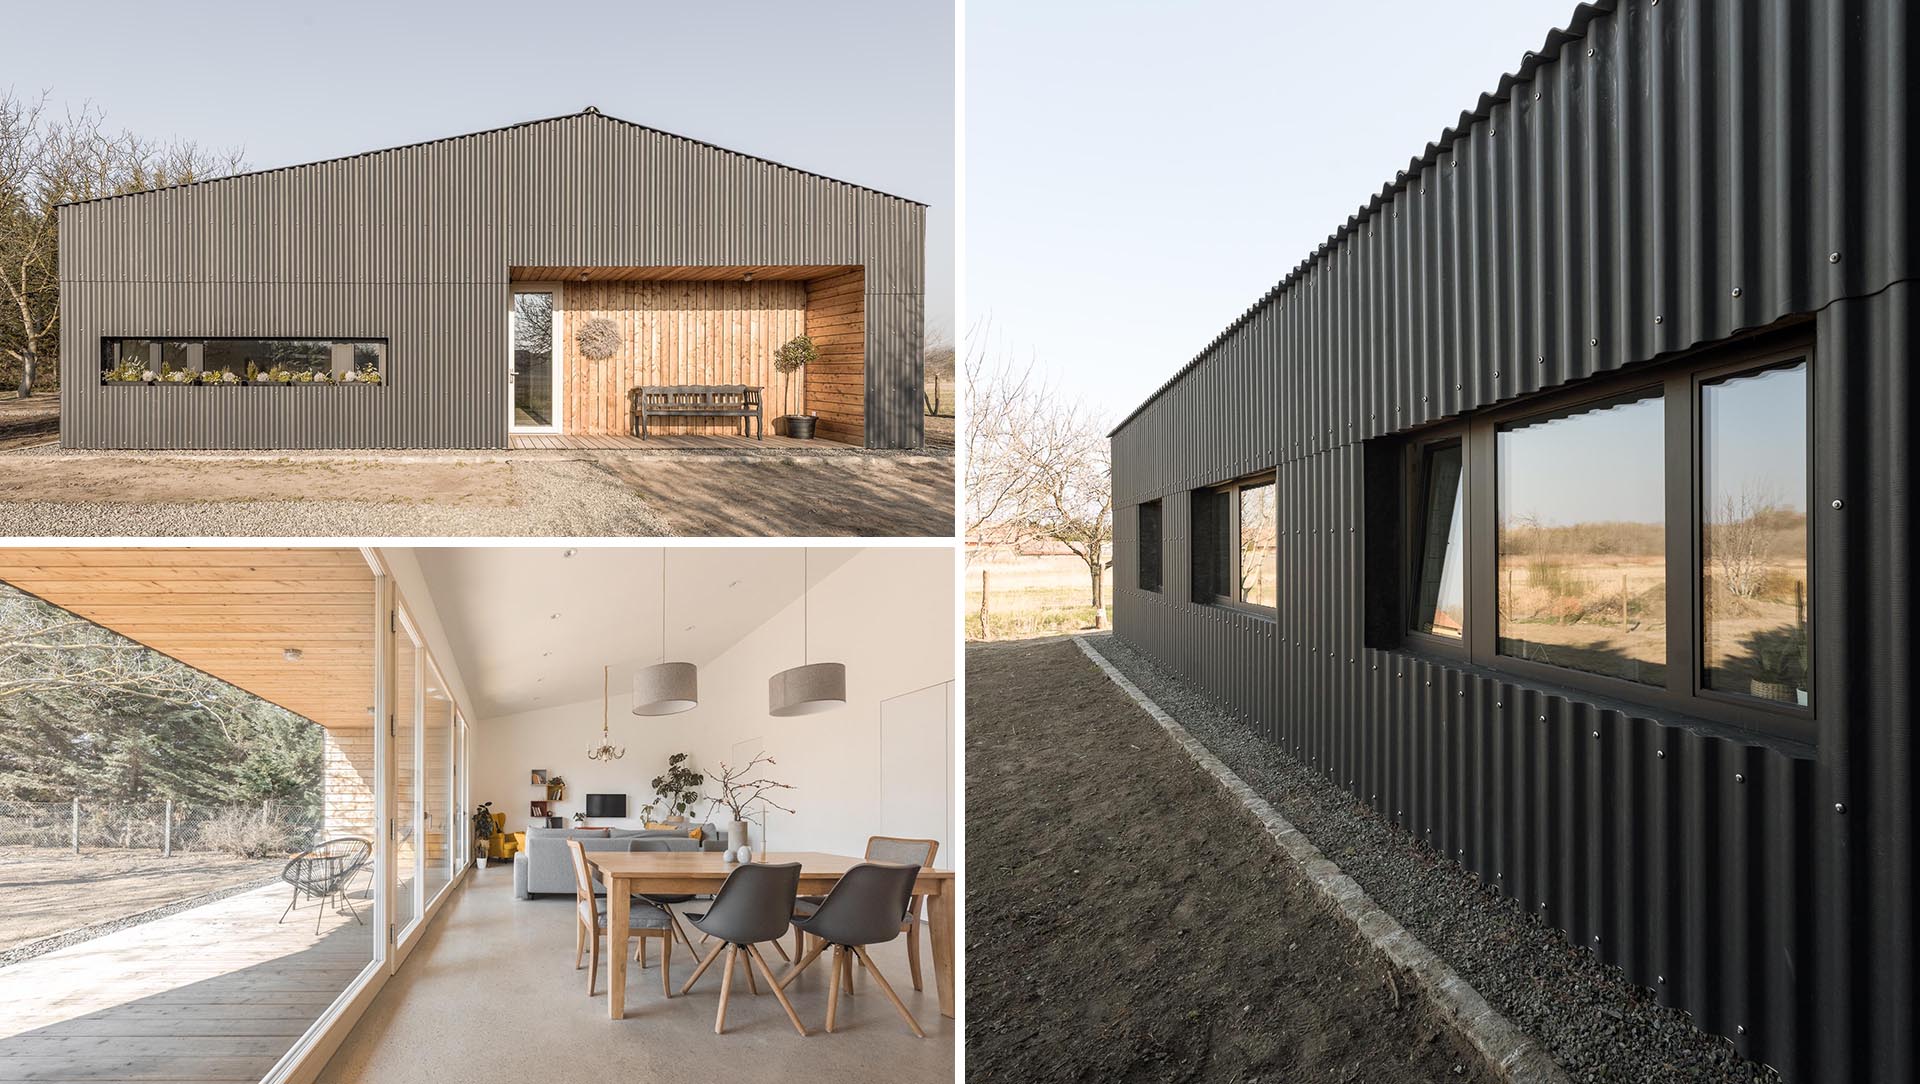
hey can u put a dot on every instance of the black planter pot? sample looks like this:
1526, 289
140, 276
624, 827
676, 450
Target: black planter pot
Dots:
800, 425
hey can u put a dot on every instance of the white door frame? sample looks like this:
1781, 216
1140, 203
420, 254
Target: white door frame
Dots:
558, 364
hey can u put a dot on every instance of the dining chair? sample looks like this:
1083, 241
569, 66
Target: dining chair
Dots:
863, 909
670, 846
645, 921
901, 851
754, 904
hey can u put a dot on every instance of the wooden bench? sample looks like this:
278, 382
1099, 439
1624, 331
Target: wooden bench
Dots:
696, 401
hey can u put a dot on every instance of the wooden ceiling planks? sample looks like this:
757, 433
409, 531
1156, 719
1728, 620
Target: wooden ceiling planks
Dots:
229, 612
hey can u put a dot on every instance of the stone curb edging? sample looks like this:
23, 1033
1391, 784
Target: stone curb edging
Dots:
1514, 1054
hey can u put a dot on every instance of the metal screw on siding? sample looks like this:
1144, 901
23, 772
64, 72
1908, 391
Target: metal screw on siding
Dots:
1543, 718
1659, 319
1736, 291
1589, 50
1833, 257
1463, 692
1661, 753
1596, 735
1739, 777
1499, 703
1739, 1029
1661, 979
1543, 905
1838, 504
1593, 342
1839, 807
1596, 938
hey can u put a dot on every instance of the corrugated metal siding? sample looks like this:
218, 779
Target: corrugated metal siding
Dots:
413, 245
1659, 177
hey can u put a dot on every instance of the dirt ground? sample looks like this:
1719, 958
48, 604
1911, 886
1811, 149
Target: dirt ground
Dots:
44, 891
577, 494
1125, 923
25, 422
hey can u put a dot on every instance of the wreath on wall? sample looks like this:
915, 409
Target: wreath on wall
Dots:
599, 338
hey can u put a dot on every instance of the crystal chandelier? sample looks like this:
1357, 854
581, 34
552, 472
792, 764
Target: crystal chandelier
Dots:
606, 750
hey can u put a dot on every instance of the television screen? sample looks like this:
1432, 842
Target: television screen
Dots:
606, 805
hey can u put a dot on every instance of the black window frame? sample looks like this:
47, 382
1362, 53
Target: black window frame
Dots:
1684, 693
1228, 493
1154, 557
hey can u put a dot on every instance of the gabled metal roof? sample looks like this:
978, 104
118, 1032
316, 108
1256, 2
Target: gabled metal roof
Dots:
589, 111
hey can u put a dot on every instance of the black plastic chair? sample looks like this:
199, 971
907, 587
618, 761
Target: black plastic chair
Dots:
899, 851
754, 905
323, 872
863, 909
666, 902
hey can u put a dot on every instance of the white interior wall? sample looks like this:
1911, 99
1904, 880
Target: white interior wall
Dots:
887, 613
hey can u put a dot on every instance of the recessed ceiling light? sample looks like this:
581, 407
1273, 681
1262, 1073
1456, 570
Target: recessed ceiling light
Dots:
553, 617
734, 584
568, 553
546, 654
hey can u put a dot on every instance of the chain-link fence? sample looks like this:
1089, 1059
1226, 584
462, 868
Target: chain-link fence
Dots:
250, 831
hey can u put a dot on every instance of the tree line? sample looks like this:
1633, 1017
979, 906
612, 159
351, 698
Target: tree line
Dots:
47, 159
88, 713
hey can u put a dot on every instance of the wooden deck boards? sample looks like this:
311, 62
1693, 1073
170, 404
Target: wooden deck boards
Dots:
700, 442
217, 992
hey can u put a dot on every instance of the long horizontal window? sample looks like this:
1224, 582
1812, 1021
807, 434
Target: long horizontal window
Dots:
1648, 539
237, 361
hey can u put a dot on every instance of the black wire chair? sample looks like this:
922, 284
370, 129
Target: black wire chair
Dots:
323, 872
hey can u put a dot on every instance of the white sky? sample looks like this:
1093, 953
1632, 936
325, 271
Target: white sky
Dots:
861, 90
1139, 173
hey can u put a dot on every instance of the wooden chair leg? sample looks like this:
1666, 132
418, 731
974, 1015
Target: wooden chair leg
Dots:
593, 960
913, 952
666, 964
702, 969
640, 951
754, 950
794, 972
888, 990
782, 950
799, 942
833, 987
579, 940
747, 966
726, 991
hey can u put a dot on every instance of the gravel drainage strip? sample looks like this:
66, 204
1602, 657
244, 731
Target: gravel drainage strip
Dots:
1508, 1050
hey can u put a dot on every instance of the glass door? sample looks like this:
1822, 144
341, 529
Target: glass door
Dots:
534, 362
408, 837
438, 844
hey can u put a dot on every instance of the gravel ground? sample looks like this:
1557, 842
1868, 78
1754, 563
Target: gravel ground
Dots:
1124, 924
1599, 1027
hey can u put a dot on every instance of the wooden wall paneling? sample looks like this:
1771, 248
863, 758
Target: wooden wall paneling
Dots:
836, 383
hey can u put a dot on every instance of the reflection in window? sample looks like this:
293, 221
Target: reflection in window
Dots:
1259, 546
236, 361
1440, 604
1148, 548
1753, 444
1582, 547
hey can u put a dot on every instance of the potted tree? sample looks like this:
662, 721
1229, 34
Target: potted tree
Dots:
482, 833
675, 791
792, 357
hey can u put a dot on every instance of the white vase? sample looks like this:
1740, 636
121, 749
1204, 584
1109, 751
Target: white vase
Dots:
737, 835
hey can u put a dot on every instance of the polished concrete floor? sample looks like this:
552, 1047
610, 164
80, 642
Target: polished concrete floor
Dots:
491, 995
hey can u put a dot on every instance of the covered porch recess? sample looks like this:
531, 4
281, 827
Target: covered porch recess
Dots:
582, 338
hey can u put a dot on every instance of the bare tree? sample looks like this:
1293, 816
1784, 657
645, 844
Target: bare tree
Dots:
1005, 397
1739, 540
46, 161
937, 355
1071, 489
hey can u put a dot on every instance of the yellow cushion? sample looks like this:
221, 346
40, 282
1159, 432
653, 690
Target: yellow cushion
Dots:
696, 835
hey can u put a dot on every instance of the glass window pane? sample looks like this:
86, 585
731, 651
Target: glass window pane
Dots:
1259, 546
1753, 444
1440, 603
406, 780
1148, 546
533, 359
436, 807
1582, 540
1212, 544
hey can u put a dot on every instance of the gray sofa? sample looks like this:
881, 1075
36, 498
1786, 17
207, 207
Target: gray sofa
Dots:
544, 867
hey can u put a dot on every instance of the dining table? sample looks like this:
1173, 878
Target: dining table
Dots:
666, 873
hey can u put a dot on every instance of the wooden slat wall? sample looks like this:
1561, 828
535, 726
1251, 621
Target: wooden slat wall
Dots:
837, 382
675, 333
230, 613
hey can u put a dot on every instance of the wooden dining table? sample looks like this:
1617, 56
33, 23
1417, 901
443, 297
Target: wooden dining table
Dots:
703, 872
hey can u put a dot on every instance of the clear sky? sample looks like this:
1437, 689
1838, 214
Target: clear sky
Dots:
1139, 173
861, 90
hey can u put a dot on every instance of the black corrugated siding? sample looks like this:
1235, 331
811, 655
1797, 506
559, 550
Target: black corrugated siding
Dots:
1601, 210
413, 245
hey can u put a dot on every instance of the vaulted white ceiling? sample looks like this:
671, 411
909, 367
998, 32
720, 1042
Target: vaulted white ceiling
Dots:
531, 628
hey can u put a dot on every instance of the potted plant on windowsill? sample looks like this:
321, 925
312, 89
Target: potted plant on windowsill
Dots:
674, 792
791, 358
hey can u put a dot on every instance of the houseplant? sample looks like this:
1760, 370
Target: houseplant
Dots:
742, 792
793, 356
675, 791
482, 832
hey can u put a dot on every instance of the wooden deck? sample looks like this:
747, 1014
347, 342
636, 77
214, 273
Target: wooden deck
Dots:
214, 993
686, 442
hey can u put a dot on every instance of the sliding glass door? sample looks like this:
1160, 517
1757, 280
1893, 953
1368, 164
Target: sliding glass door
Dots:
534, 360
408, 806
437, 813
